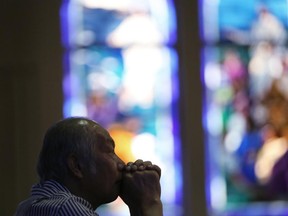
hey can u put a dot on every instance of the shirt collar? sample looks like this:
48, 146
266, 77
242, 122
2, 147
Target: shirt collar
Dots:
48, 188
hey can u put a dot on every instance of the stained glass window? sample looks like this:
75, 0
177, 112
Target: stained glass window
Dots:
245, 78
121, 70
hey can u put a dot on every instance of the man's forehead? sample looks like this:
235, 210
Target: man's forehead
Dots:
104, 136
101, 133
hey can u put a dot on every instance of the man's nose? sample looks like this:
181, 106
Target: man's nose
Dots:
119, 160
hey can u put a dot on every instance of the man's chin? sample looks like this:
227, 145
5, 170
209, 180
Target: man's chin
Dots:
115, 193
110, 198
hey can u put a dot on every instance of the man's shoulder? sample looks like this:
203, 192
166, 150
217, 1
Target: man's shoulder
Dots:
51, 198
73, 205
61, 203
65, 203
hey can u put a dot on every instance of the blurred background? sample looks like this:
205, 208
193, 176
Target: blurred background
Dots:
196, 87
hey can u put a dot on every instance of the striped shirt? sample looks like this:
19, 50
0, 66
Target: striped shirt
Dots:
53, 199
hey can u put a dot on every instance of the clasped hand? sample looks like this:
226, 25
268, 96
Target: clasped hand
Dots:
140, 188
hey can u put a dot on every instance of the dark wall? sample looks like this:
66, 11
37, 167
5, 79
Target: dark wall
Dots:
31, 96
191, 91
30, 91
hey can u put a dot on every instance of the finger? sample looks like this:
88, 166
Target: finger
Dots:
130, 167
127, 167
134, 168
142, 165
129, 163
147, 163
138, 162
155, 168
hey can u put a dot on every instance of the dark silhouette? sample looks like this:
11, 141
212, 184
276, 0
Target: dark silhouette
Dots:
79, 171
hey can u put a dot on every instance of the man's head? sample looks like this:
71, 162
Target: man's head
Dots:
79, 153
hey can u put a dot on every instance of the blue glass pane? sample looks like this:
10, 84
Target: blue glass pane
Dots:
121, 72
245, 117
245, 124
119, 24
120, 89
234, 21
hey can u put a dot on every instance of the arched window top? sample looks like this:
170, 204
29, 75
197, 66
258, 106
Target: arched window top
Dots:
119, 23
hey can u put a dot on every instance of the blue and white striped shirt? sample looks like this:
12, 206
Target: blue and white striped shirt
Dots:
53, 199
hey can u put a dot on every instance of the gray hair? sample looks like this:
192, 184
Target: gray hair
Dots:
75, 135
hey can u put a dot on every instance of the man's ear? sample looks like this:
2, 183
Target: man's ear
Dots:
74, 166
